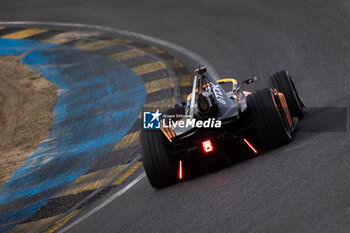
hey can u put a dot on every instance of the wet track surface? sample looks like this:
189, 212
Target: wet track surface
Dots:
301, 187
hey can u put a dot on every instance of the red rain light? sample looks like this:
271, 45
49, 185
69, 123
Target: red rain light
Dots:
207, 146
250, 146
180, 170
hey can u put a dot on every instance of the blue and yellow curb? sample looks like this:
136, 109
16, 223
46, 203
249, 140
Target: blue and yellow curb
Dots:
149, 63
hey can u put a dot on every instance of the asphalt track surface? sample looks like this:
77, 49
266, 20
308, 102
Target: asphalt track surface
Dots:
301, 187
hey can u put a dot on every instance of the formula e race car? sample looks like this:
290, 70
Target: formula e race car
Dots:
219, 119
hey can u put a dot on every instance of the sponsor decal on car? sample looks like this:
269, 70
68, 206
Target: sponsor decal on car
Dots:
218, 94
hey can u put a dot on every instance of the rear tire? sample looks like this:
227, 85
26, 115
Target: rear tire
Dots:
160, 169
270, 124
284, 83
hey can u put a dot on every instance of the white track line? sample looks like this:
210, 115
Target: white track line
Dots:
106, 202
197, 58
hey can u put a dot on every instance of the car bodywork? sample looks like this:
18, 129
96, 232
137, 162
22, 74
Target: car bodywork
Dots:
231, 111
232, 122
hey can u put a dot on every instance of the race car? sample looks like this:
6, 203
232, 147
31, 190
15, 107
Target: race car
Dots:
217, 118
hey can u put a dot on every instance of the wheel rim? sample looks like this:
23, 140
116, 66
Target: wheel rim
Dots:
284, 120
285, 123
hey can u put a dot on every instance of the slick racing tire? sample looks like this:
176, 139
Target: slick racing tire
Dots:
160, 169
284, 83
271, 125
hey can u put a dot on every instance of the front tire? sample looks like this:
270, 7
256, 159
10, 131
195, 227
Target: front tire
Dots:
270, 124
160, 169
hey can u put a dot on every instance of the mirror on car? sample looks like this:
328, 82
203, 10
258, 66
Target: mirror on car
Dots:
251, 80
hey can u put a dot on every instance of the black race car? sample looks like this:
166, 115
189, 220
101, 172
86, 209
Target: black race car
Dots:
217, 118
